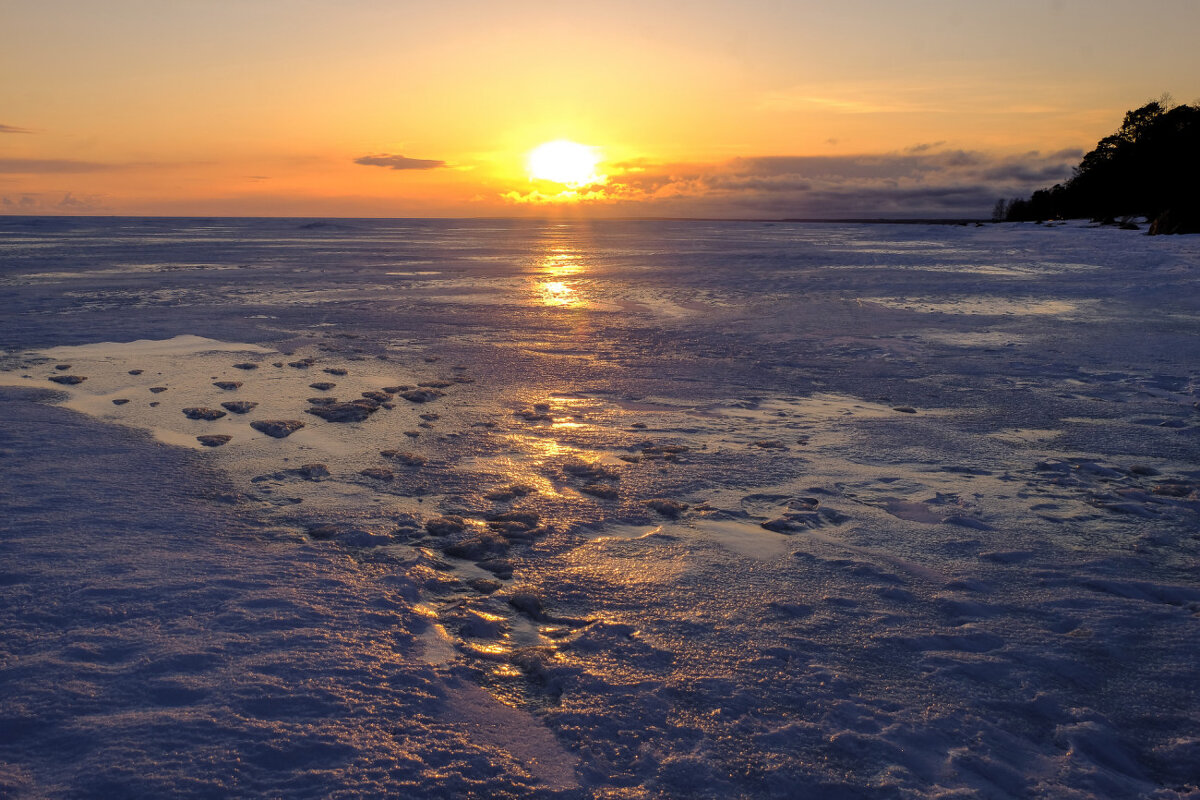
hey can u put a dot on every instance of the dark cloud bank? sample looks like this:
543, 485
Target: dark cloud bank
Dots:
920, 182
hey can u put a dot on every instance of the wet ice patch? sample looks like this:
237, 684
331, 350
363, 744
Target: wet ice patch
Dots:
180, 389
123, 351
996, 305
973, 339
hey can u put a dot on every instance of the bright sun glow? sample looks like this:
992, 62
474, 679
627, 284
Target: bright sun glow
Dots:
565, 162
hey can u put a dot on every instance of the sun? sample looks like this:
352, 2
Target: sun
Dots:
565, 162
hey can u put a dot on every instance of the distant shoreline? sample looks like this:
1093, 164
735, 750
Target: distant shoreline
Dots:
805, 220
901, 221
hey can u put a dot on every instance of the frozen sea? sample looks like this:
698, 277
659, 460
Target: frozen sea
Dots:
623, 509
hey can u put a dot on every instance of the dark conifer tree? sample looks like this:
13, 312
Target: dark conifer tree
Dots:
1150, 167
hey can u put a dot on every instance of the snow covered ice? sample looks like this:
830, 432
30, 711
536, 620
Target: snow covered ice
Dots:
609, 509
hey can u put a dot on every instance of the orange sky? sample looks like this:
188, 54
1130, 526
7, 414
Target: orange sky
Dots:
756, 108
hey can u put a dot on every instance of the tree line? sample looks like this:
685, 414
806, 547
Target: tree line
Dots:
1149, 168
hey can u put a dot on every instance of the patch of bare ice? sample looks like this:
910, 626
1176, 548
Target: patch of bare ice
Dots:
177, 346
987, 305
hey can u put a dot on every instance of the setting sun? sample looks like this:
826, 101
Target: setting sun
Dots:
565, 162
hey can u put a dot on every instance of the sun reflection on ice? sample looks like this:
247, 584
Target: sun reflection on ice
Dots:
555, 265
507, 671
561, 262
557, 293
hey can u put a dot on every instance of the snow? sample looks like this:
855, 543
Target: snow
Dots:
937, 531
158, 643
178, 346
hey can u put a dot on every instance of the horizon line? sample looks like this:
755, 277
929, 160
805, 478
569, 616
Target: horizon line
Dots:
805, 220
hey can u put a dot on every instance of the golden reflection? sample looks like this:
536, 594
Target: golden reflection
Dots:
541, 449
497, 653
573, 407
556, 265
572, 401
558, 293
560, 263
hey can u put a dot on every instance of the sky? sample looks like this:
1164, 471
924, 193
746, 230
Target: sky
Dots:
748, 109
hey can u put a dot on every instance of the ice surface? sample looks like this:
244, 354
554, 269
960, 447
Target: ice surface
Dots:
178, 346
933, 498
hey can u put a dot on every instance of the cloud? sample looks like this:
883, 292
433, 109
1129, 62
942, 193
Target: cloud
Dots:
69, 203
924, 147
1028, 173
25, 202
13, 129
26, 166
859, 97
919, 182
799, 100
399, 162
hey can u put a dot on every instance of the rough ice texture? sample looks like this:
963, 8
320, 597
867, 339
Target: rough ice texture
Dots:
751, 511
192, 656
